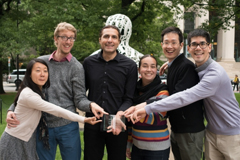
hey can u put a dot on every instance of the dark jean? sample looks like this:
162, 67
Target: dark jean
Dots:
140, 154
68, 139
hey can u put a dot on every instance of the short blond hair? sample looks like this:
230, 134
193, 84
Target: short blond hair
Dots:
64, 26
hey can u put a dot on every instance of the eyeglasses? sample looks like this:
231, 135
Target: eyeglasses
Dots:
202, 45
65, 38
173, 44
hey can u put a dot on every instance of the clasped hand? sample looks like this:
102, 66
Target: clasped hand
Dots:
136, 113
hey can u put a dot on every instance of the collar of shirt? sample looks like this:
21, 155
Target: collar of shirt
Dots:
169, 64
205, 65
67, 58
116, 58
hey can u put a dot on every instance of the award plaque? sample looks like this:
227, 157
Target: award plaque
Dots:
112, 121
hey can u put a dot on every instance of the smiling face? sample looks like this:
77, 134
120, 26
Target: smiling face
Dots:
64, 47
171, 46
39, 74
148, 70
199, 55
109, 40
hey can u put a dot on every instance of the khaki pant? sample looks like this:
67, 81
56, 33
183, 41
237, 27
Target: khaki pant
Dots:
222, 147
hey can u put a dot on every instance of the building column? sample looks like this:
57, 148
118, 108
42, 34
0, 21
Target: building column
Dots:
204, 17
225, 44
180, 22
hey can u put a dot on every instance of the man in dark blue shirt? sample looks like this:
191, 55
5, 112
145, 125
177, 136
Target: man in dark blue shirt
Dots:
111, 79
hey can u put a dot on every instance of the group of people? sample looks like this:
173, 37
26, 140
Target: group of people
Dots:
55, 86
221, 109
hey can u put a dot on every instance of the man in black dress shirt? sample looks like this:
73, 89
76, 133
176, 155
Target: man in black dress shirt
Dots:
111, 79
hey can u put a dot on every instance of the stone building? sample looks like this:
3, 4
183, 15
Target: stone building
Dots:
226, 45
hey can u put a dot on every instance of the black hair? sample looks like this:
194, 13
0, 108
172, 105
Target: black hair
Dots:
27, 80
172, 30
198, 33
109, 26
145, 56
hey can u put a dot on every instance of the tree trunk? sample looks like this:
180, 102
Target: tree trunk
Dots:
126, 3
1, 78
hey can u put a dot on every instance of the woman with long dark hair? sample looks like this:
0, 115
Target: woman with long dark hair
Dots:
20, 142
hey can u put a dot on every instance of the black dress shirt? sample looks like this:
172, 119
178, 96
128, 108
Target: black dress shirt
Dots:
111, 84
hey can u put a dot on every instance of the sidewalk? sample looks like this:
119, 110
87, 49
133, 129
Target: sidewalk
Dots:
236, 91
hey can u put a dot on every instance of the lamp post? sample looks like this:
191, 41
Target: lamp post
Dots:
18, 80
9, 64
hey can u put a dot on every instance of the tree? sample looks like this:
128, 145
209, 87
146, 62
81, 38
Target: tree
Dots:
10, 17
31, 23
89, 17
221, 12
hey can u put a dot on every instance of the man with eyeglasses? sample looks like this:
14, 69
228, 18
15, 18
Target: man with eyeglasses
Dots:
186, 123
222, 111
67, 90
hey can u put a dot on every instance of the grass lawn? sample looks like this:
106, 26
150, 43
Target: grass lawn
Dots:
7, 100
237, 95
